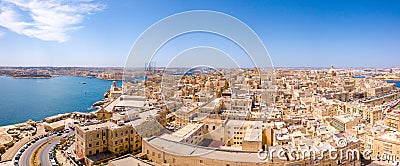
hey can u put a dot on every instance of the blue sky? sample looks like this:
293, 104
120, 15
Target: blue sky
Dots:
296, 33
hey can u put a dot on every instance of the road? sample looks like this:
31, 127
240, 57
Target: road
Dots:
44, 153
26, 156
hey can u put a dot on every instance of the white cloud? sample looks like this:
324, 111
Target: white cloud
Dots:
49, 20
1, 33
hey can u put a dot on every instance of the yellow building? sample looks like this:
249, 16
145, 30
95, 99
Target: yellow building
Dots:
393, 120
345, 121
387, 146
103, 114
100, 142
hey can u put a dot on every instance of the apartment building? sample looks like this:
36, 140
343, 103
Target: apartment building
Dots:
393, 119
100, 142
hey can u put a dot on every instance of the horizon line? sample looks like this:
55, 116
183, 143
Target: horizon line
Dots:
278, 67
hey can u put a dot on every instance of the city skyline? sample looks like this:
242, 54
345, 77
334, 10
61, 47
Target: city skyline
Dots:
296, 34
202, 82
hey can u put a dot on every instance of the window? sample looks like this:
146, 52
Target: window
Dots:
97, 143
98, 135
90, 145
201, 161
147, 152
90, 152
152, 153
159, 155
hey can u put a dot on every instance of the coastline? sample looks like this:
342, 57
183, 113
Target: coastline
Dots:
95, 109
32, 77
54, 76
61, 94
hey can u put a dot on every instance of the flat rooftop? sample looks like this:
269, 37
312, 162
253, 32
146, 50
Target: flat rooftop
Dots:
143, 117
188, 130
391, 136
205, 152
345, 118
94, 127
128, 161
183, 133
254, 131
130, 103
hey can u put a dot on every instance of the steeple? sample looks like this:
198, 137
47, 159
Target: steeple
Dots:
332, 71
349, 72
